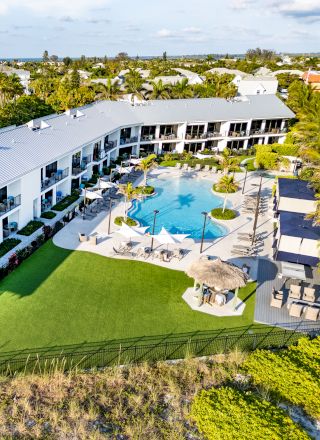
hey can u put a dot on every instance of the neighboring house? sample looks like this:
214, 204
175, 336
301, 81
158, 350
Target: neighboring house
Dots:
312, 77
289, 71
297, 238
193, 78
262, 71
98, 66
24, 75
223, 70
45, 159
169, 80
256, 85
83, 73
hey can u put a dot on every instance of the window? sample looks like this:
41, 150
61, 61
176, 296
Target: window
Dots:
238, 128
214, 127
194, 131
3, 194
273, 125
235, 145
256, 127
125, 133
51, 169
168, 130
148, 130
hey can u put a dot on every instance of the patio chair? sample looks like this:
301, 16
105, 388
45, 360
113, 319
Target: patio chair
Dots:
93, 239
83, 237
178, 165
178, 253
295, 310
185, 167
206, 168
197, 167
276, 299
214, 170
309, 294
311, 313
295, 291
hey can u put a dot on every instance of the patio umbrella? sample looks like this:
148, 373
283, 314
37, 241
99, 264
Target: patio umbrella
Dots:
129, 232
91, 195
221, 275
123, 170
165, 237
104, 184
135, 161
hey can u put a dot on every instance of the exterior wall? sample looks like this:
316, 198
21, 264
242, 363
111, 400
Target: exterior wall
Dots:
31, 186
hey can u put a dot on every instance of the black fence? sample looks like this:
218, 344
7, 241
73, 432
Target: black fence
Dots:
155, 348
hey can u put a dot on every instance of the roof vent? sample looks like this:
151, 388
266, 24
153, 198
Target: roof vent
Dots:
44, 125
33, 125
79, 114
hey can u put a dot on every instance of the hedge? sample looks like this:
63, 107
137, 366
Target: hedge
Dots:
130, 221
67, 201
7, 245
31, 227
48, 214
146, 190
291, 375
227, 414
228, 214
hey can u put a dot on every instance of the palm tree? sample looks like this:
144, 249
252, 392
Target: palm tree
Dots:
110, 90
10, 88
146, 165
182, 90
226, 185
227, 161
129, 193
134, 84
159, 90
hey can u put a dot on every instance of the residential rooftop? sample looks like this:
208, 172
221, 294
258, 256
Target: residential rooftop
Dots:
295, 224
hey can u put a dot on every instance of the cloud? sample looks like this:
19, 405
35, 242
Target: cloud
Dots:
242, 4
67, 19
78, 8
308, 10
98, 20
189, 34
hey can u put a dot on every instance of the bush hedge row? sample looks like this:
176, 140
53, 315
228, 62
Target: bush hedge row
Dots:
228, 214
31, 227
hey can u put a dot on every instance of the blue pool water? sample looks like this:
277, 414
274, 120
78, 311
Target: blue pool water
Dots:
180, 201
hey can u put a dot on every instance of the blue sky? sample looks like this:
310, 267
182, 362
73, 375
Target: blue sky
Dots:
146, 27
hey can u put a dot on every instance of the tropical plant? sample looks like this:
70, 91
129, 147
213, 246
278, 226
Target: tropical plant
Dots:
226, 185
159, 90
182, 90
147, 165
227, 161
129, 193
10, 88
110, 90
134, 85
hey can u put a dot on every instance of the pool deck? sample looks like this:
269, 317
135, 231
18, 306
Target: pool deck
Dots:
68, 237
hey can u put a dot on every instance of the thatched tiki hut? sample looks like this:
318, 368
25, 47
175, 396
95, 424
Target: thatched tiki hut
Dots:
217, 274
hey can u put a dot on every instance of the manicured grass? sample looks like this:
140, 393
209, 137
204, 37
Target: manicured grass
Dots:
63, 297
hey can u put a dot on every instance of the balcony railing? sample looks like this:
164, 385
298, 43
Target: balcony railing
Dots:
128, 140
258, 132
212, 134
9, 204
55, 177
148, 137
86, 160
241, 133
168, 137
110, 145
78, 168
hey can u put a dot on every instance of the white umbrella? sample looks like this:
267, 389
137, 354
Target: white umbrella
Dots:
123, 170
129, 232
135, 161
164, 237
104, 184
91, 195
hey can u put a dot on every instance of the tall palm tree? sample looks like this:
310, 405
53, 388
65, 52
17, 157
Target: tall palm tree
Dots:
182, 89
226, 185
159, 90
10, 88
110, 90
134, 85
129, 193
147, 165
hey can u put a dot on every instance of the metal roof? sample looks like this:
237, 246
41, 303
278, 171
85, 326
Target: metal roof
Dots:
295, 224
23, 150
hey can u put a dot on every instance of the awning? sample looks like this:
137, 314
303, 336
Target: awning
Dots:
292, 270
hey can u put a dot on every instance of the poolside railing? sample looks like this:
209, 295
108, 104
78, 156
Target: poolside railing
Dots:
155, 348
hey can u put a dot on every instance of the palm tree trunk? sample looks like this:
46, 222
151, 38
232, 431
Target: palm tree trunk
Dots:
145, 178
224, 203
125, 209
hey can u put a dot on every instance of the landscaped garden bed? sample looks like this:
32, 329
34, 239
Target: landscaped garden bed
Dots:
48, 215
7, 245
67, 201
31, 227
130, 221
227, 214
145, 190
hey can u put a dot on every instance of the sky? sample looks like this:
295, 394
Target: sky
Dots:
150, 27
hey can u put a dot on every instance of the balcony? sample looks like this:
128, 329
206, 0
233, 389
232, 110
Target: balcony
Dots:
212, 134
55, 178
86, 160
148, 138
78, 168
9, 204
242, 133
131, 140
268, 131
168, 137
110, 145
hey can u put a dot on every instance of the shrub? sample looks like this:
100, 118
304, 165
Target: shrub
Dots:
7, 245
228, 214
227, 413
67, 201
285, 149
266, 158
31, 227
130, 221
290, 375
48, 214
24, 253
250, 165
147, 190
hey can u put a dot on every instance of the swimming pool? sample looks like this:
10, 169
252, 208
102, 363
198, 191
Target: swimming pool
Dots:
180, 202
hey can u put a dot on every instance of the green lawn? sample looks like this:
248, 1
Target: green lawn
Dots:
63, 297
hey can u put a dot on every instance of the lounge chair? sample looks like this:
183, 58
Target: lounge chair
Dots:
214, 170
197, 167
311, 313
185, 167
295, 292
93, 239
276, 299
83, 237
295, 310
309, 294
206, 168
178, 253
178, 165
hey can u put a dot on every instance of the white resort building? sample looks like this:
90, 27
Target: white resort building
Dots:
45, 159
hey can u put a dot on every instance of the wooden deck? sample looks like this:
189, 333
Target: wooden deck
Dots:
267, 279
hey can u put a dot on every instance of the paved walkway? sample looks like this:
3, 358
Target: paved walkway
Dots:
68, 237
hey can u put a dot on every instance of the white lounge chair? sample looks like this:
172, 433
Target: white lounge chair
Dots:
197, 167
83, 237
295, 292
206, 168
309, 294
185, 167
311, 313
295, 310
178, 165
